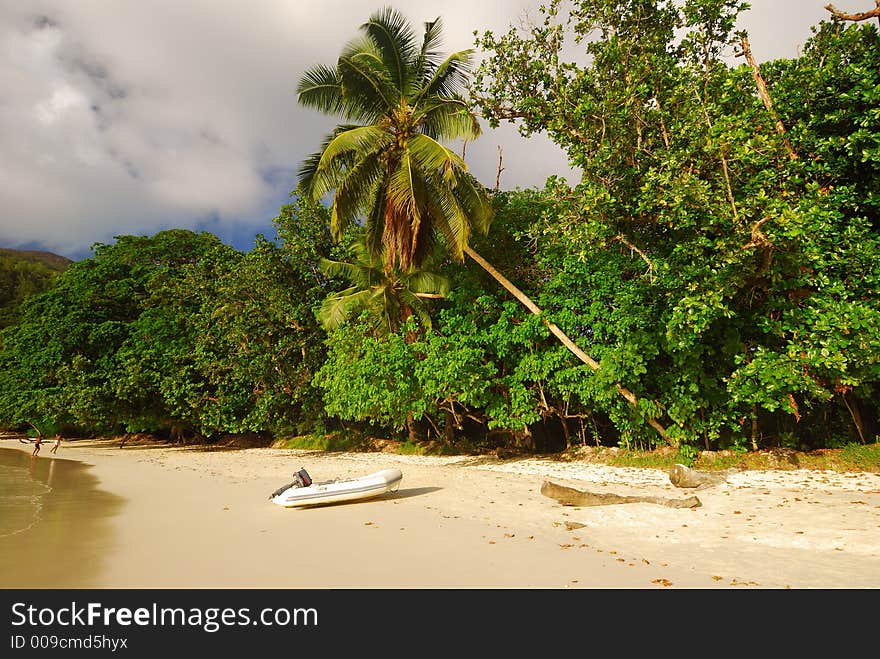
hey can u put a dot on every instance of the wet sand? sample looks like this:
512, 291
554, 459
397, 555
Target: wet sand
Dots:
194, 518
61, 532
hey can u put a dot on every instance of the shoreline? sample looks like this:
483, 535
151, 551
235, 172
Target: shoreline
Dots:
191, 517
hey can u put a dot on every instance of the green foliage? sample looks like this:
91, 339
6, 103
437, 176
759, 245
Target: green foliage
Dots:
704, 265
365, 378
726, 273
23, 274
387, 295
858, 457
176, 334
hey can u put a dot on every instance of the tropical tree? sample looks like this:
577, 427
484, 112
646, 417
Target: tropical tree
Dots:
389, 298
718, 248
23, 274
111, 346
390, 167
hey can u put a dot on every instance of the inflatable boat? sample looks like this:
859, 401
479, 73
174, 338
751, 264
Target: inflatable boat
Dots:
304, 492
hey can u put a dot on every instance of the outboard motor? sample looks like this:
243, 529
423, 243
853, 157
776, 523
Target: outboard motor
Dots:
300, 479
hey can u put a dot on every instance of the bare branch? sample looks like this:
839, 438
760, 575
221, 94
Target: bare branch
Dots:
758, 238
860, 16
765, 95
500, 168
622, 239
724, 168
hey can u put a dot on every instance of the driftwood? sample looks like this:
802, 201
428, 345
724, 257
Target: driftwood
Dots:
568, 496
682, 476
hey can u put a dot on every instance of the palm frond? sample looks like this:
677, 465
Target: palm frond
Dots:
308, 177
449, 218
365, 268
337, 308
449, 119
305, 175
395, 39
367, 88
403, 211
320, 88
429, 55
358, 142
356, 192
450, 77
374, 227
422, 281
433, 157
418, 307
353, 273
474, 199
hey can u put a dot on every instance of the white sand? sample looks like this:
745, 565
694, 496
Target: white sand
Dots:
202, 518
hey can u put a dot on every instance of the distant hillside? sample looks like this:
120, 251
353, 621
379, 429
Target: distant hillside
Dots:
24, 273
52, 261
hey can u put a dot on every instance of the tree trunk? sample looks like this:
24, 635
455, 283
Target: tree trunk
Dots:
856, 417
569, 496
559, 334
449, 427
413, 429
765, 95
683, 476
754, 427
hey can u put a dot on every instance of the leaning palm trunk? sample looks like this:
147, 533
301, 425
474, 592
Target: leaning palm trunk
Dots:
389, 165
559, 334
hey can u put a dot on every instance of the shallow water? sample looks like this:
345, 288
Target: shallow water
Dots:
54, 522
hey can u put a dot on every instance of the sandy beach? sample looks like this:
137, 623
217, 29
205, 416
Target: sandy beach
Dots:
190, 517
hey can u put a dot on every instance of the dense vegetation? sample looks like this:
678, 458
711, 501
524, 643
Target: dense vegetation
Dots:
24, 273
720, 258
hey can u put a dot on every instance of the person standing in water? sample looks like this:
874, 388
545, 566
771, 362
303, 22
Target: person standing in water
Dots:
37, 442
56, 444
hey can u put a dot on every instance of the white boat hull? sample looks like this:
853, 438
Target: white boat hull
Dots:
365, 487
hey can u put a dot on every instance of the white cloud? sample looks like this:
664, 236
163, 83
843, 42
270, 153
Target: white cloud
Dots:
128, 117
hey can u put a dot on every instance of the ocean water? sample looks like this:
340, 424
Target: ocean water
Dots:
55, 521
21, 496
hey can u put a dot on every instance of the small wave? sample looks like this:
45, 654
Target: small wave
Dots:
21, 500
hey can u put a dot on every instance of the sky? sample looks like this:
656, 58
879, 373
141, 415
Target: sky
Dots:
125, 117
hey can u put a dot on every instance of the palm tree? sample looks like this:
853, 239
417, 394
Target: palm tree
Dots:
389, 166
390, 298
